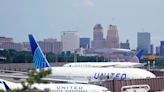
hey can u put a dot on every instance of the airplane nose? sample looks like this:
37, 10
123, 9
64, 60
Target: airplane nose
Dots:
151, 75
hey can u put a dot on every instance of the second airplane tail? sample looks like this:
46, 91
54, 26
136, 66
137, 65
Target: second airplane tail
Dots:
7, 85
139, 54
136, 58
39, 59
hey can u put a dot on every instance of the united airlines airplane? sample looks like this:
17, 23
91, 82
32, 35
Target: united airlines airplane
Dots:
7, 85
83, 74
134, 63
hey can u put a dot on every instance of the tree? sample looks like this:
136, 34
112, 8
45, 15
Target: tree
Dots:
50, 57
34, 76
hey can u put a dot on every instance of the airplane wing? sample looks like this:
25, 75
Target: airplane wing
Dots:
65, 80
134, 65
106, 66
10, 71
131, 65
54, 79
13, 76
139, 65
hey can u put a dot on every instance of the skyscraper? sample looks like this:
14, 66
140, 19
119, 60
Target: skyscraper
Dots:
112, 40
98, 32
158, 50
98, 40
162, 48
85, 43
143, 41
151, 49
70, 40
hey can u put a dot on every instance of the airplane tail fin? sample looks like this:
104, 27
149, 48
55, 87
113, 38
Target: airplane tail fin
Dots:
139, 54
3, 85
6, 86
38, 57
136, 58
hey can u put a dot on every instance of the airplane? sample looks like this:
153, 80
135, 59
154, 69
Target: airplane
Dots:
105, 64
54, 87
83, 74
133, 63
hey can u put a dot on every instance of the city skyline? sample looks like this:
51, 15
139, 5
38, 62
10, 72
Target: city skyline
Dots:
47, 19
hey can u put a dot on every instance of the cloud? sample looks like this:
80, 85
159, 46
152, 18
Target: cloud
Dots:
88, 3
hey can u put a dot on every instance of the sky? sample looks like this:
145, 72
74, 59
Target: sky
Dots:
48, 18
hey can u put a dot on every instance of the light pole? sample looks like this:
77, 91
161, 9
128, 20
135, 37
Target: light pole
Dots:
75, 56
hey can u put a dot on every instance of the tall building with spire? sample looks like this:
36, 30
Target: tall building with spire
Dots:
98, 40
112, 39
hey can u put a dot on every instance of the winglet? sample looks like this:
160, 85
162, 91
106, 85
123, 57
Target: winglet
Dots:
38, 57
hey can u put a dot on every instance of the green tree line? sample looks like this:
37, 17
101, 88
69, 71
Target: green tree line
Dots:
34, 76
13, 56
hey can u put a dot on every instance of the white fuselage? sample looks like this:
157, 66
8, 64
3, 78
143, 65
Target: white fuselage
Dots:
57, 87
96, 74
105, 64
71, 87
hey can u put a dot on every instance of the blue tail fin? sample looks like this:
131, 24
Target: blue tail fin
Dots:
38, 57
139, 54
136, 58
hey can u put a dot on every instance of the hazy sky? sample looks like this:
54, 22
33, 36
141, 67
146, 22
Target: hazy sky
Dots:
48, 18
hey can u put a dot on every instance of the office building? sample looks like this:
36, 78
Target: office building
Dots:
48, 45
8, 43
112, 39
26, 46
143, 41
125, 45
51, 40
98, 41
152, 49
70, 40
58, 47
98, 32
85, 43
162, 48
51, 45
13, 46
158, 50
5, 40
